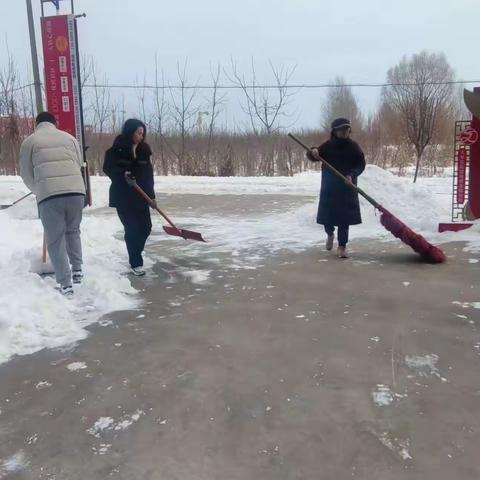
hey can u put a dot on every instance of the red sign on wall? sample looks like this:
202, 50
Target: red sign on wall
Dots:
62, 84
461, 174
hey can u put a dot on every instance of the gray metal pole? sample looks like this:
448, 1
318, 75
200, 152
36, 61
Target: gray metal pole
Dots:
33, 48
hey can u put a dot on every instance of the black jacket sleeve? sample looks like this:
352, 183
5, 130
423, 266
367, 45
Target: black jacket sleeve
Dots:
359, 166
149, 180
115, 167
111, 166
323, 152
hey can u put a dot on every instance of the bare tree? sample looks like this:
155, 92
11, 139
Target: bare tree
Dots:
184, 111
341, 102
142, 102
421, 91
9, 128
216, 104
265, 107
101, 102
86, 70
160, 106
100, 107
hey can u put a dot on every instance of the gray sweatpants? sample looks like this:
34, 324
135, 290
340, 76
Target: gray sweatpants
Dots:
61, 218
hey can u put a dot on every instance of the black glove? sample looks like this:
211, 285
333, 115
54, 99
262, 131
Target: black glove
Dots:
130, 179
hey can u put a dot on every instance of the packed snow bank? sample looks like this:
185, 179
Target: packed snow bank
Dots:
34, 316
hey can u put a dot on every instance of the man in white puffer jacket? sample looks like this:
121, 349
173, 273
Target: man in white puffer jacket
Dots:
50, 166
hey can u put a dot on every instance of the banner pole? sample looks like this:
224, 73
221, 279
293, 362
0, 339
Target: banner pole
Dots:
33, 50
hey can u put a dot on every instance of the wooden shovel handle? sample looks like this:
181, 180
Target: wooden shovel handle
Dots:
23, 198
151, 202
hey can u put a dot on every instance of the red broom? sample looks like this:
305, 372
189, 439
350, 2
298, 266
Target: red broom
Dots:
429, 253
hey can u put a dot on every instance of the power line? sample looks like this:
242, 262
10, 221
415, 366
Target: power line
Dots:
234, 86
21, 87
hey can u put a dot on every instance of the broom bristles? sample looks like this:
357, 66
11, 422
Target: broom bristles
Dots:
419, 244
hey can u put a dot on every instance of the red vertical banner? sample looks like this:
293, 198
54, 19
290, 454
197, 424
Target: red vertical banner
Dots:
461, 174
62, 83
474, 170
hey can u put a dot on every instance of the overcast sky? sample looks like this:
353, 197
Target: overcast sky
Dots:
357, 39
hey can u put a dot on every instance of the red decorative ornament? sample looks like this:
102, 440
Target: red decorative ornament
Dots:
469, 136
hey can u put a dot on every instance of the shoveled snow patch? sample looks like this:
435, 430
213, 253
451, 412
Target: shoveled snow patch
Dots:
398, 446
75, 366
129, 420
43, 384
382, 396
424, 365
13, 464
104, 424
475, 305
197, 276
102, 449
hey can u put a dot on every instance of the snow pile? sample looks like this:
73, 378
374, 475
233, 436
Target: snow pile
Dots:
33, 315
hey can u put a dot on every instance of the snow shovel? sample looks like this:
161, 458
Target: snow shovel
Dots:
395, 226
173, 229
3, 207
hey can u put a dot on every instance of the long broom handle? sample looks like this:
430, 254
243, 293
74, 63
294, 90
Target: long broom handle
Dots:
150, 202
336, 172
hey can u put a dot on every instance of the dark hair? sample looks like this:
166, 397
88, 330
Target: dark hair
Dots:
45, 117
130, 127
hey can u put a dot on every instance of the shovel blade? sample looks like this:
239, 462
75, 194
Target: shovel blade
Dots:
185, 234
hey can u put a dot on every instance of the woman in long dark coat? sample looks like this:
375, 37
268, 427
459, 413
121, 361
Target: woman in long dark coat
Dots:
339, 205
127, 162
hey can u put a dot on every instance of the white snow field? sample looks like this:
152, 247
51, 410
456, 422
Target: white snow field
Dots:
33, 315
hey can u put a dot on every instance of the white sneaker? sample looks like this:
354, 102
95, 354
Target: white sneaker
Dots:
138, 271
67, 291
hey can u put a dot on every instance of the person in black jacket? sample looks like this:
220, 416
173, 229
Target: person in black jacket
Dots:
127, 162
339, 205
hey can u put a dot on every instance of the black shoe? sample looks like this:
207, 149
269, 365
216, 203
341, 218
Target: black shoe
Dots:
77, 276
329, 242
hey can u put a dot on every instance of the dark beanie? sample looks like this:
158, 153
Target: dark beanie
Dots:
341, 123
